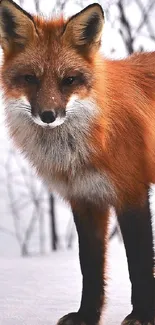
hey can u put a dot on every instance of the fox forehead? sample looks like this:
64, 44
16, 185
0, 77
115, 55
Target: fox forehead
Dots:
47, 50
47, 47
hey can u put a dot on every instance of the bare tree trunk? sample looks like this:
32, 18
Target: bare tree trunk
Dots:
53, 232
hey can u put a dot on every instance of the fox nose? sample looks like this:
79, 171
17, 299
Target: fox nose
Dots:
48, 116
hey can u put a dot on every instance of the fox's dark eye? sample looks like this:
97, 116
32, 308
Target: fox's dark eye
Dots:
69, 81
77, 80
31, 79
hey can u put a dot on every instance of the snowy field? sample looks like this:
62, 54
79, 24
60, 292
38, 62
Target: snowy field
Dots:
39, 291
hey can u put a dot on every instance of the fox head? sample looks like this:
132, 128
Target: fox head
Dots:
48, 63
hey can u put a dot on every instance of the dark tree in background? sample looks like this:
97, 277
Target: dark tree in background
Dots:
134, 21
54, 236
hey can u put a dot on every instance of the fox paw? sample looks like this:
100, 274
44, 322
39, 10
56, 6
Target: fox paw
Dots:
71, 319
132, 320
135, 322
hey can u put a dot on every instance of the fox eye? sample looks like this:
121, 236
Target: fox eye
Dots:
31, 79
69, 80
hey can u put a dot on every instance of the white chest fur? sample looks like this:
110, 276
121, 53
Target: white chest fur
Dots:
64, 151
89, 185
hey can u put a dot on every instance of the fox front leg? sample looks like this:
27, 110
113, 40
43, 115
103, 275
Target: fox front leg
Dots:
91, 223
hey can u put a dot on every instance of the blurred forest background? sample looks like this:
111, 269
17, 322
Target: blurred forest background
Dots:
32, 220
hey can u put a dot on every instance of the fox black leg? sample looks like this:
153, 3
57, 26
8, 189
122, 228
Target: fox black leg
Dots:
135, 224
91, 224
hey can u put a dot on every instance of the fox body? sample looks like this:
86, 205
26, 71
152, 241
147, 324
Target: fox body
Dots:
87, 124
104, 149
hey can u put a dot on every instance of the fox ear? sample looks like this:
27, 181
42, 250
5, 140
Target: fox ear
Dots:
84, 30
16, 26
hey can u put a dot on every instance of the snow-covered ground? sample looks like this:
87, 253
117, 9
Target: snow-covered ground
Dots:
38, 291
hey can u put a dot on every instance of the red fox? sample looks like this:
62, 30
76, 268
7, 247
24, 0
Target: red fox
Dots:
87, 124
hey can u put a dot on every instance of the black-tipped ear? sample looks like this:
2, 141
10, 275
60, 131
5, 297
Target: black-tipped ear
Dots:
85, 28
16, 26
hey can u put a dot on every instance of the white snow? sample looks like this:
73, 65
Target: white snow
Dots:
39, 291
